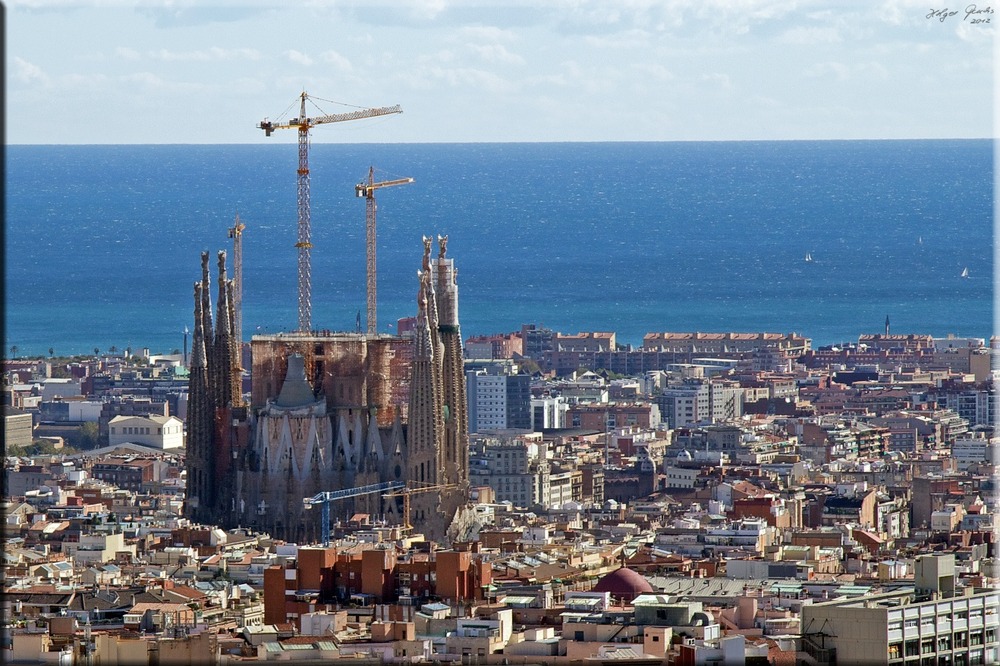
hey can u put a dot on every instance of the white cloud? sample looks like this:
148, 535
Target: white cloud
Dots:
875, 69
210, 54
337, 60
83, 81
27, 72
808, 36
496, 53
621, 40
653, 71
477, 80
153, 83
442, 56
838, 70
486, 33
125, 53
299, 57
718, 80
588, 80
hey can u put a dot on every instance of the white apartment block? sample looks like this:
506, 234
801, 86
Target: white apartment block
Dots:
488, 402
970, 451
549, 412
701, 403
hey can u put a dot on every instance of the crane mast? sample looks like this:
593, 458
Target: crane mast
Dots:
304, 234
367, 190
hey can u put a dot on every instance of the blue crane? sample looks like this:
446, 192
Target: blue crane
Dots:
324, 499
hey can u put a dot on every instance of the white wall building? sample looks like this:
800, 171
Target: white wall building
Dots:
160, 432
549, 412
973, 451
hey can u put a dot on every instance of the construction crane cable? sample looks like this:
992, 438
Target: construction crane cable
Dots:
287, 109
333, 101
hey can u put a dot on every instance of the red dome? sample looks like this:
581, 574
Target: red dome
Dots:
624, 584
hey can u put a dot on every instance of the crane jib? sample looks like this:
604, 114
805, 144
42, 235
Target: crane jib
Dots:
303, 124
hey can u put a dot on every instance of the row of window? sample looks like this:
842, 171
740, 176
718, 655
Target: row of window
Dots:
135, 430
945, 643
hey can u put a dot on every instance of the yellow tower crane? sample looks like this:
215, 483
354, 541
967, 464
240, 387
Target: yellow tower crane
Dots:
367, 190
407, 491
303, 124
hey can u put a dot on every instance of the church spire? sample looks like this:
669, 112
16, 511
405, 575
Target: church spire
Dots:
200, 418
222, 348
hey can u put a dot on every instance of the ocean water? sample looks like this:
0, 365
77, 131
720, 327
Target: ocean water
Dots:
103, 243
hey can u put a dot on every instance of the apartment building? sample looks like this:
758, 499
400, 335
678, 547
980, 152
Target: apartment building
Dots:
935, 623
699, 402
499, 397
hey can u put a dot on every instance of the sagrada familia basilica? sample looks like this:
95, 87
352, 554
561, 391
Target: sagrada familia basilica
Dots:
328, 411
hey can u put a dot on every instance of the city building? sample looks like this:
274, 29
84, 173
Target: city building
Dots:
928, 624
499, 397
158, 432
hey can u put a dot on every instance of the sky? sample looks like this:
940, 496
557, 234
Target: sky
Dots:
190, 71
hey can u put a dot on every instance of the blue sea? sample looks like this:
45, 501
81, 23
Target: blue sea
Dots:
103, 243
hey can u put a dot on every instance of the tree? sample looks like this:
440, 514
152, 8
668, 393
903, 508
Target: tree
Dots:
13, 351
89, 435
52, 352
97, 351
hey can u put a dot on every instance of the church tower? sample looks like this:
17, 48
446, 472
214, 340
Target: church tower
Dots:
455, 445
213, 392
438, 440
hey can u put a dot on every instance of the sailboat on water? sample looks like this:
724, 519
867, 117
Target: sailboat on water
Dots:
965, 272
809, 256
